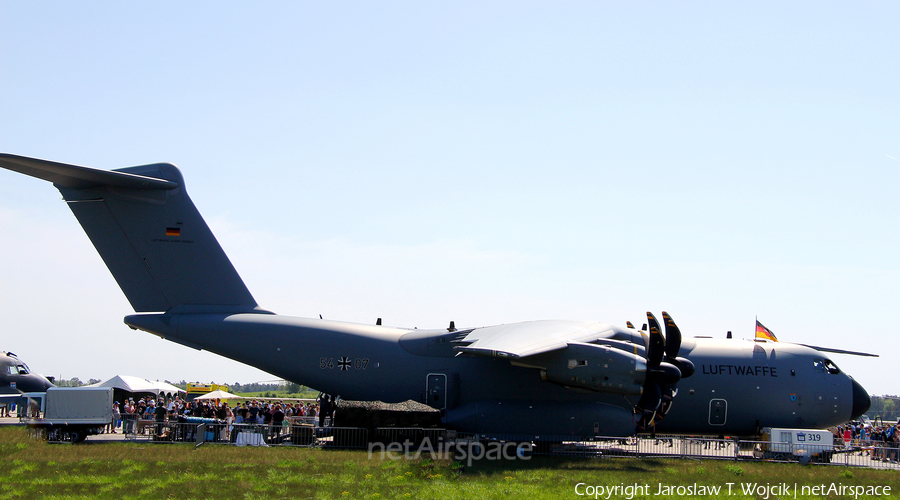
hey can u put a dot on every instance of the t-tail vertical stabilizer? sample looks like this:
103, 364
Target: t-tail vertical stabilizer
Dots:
149, 234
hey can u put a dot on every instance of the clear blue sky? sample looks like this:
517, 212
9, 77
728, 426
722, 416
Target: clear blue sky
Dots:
482, 162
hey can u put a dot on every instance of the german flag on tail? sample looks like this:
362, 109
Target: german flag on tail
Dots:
764, 333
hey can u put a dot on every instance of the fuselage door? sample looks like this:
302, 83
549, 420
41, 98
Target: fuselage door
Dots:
436, 390
718, 411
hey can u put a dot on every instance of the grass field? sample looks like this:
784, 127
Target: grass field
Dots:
34, 469
308, 394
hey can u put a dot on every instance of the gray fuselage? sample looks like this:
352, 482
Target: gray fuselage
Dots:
739, 386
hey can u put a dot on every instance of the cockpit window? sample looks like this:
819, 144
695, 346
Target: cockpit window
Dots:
12, 370
826, 366
23, 370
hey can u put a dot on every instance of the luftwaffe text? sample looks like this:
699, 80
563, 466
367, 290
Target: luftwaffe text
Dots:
745, 370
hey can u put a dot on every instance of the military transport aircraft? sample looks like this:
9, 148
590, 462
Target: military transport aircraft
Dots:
578, 378
16, 378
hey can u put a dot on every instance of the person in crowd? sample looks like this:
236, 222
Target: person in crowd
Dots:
863, 440
160, 414
229, 422
324, 409
128, 417
286, 425
111, 426
253, 413
266, 414
277, 420
238, 414
222, 411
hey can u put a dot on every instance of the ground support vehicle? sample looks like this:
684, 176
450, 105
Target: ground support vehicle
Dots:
795, 444
68, 413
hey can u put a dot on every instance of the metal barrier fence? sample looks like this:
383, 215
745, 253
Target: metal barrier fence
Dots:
881, 456
694, 448
247, 434
411, 436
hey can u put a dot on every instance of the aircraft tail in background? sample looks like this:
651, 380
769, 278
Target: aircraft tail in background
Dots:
149, 233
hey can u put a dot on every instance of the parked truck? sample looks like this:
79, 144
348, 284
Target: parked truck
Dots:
68, 413
795, 444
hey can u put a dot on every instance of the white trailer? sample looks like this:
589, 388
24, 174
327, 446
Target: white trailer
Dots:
795, 444
70, 413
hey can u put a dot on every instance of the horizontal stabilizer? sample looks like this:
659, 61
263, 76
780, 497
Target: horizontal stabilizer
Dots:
75, 177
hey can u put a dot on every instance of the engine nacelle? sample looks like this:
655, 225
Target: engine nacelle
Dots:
598, 368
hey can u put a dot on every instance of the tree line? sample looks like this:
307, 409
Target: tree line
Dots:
75, 382
887, 407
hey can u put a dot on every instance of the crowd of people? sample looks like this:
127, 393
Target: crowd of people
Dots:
134, 416
879, 442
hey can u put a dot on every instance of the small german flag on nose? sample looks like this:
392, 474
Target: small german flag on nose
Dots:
173, 231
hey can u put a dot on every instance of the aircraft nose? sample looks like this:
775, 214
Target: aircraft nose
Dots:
861, 400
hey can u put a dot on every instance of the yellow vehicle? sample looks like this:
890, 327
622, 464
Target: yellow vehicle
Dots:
195, 389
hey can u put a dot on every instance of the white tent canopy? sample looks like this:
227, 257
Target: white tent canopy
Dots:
137, 384
218, 395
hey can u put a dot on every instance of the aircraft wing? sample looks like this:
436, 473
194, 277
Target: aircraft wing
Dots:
839, 351
527, 339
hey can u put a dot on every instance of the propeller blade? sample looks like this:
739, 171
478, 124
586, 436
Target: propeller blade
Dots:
664, 370
656, 343
673, 346
650, 398
673, 337
668, 398
652, 320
